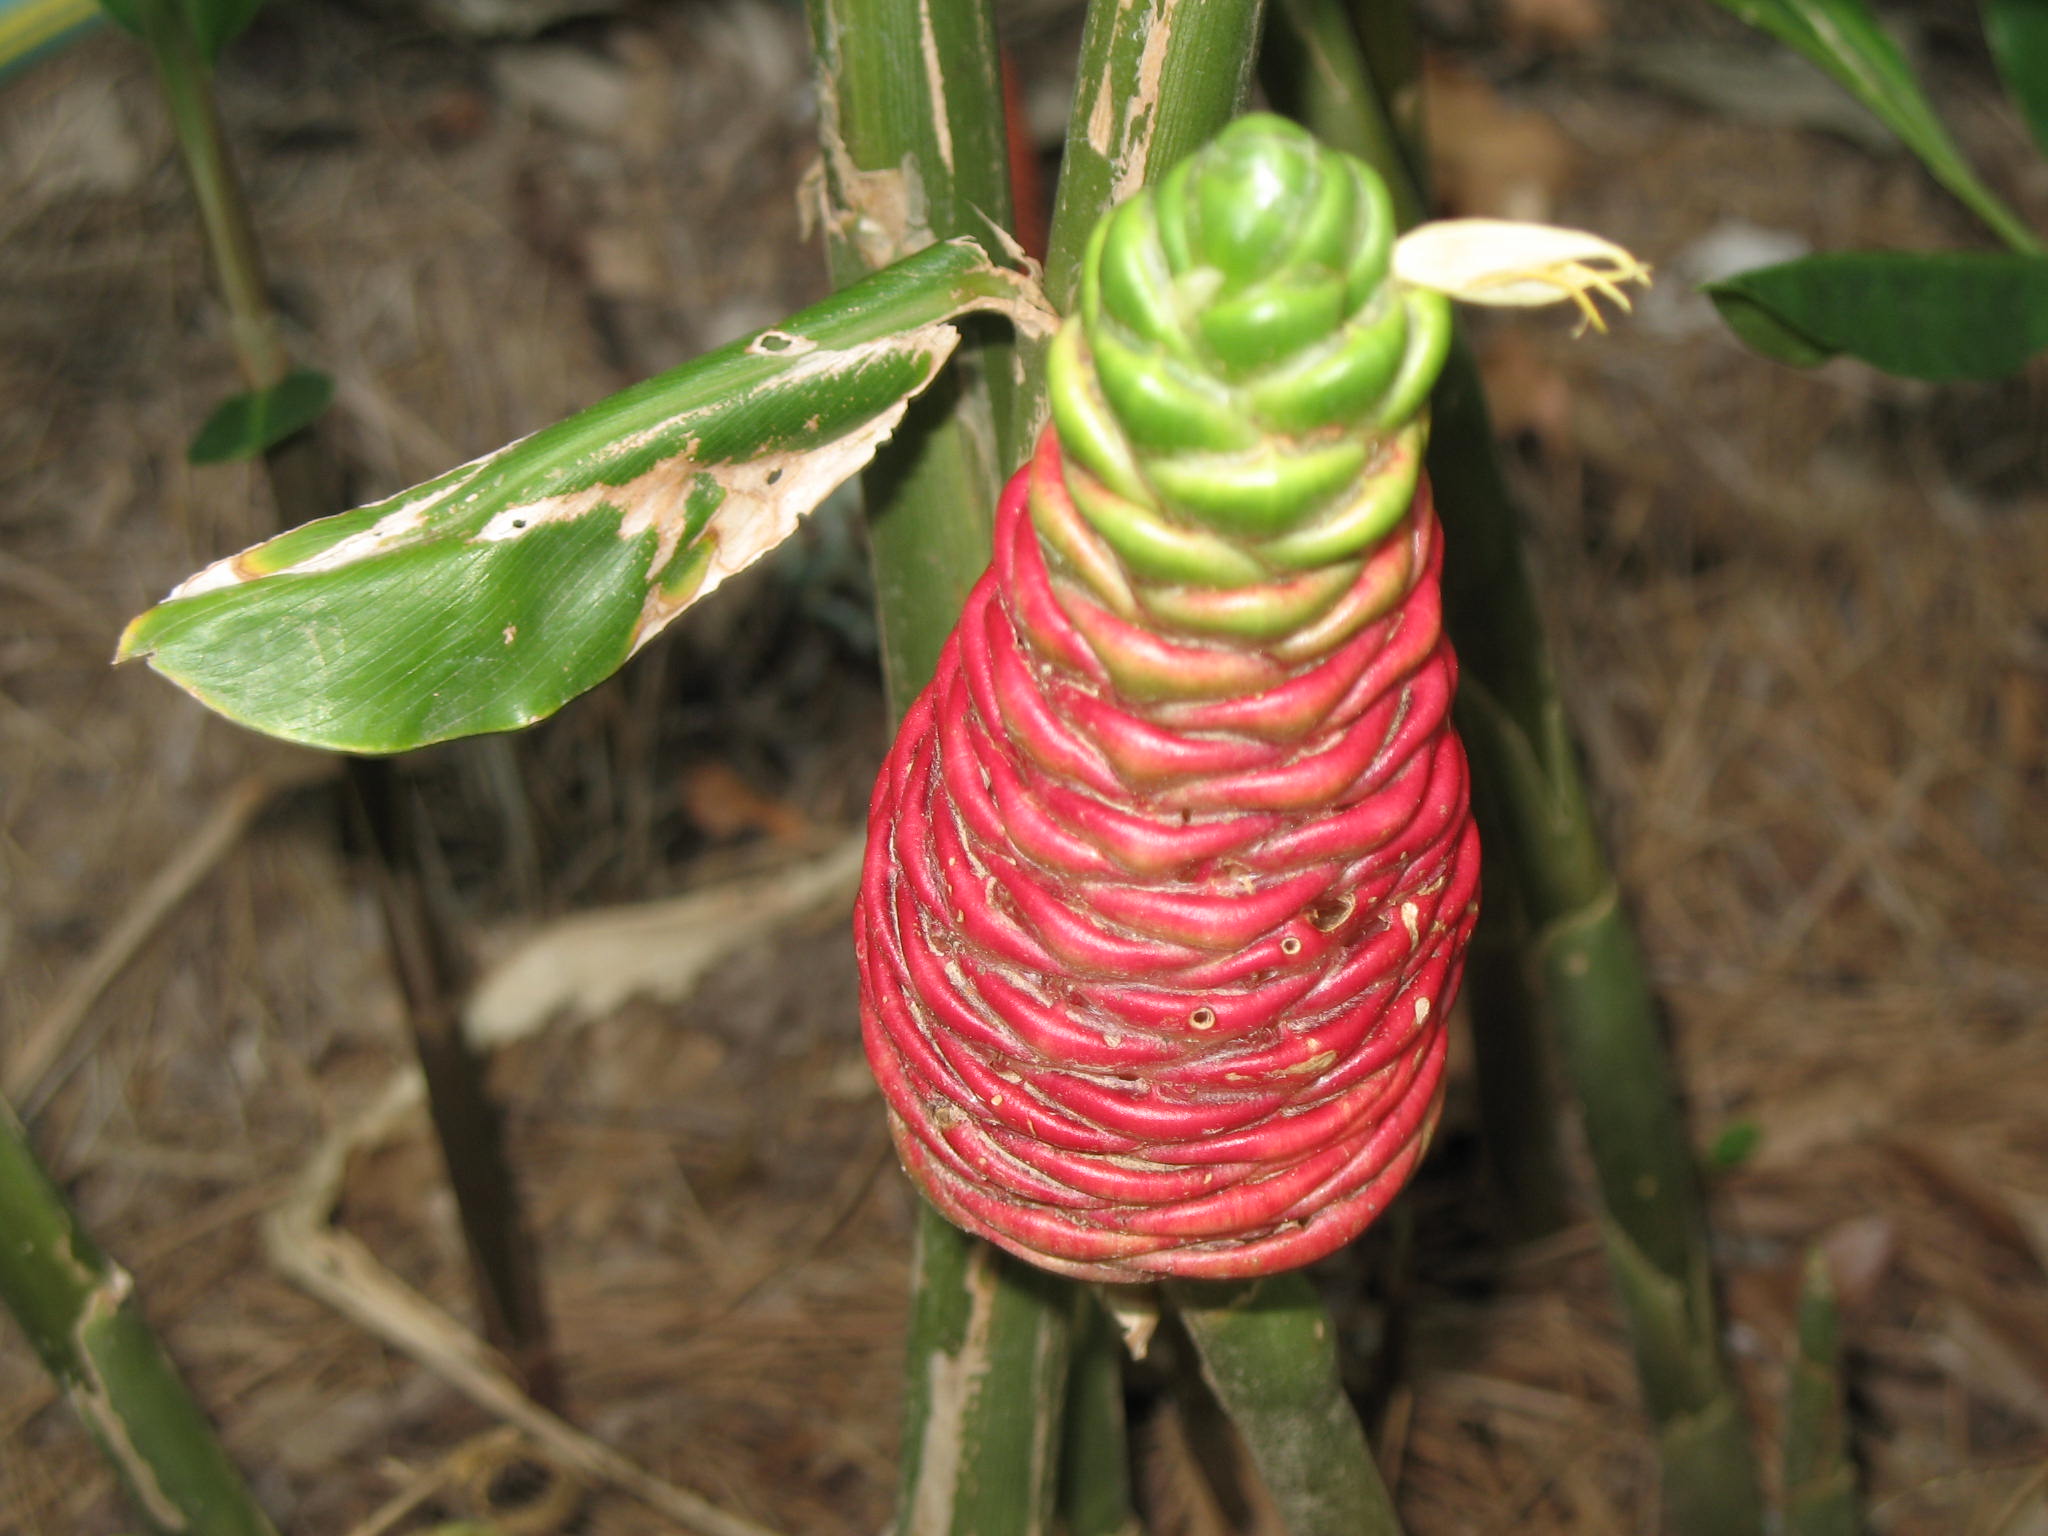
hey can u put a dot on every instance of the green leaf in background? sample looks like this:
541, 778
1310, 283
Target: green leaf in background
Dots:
244, 425
1945, 316
2018, 33
213, 23
1735, 1146
489, 597
1843, 38
1757, 328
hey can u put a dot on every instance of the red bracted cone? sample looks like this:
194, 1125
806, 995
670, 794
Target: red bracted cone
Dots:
1170, 871
1121, 1064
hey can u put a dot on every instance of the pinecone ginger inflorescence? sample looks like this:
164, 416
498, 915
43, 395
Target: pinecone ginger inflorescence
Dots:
1170, 871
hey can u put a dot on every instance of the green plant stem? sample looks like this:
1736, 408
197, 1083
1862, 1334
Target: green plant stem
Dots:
1315, 69
1320, 68
1157, 79
1095, 1469
1820, 1479
304, 484
1516, 1079
187, 84
911, 124
1392, 50
298, 469
1584, 958
1269, 1352
985, 1383
987, 1355
79, 1311
432, 974
1595, 990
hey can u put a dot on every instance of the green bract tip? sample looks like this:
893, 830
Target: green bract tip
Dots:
1244, 360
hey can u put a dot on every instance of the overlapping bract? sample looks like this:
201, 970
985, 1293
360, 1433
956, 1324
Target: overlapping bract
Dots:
1170, 870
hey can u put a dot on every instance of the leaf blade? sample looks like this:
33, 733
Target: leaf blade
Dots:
2017, 31
489, 596
213, 24
245, 425
1844, 39
1942, 317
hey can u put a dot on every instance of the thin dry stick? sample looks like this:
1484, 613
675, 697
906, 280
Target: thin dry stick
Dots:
46, 1057
342, 1272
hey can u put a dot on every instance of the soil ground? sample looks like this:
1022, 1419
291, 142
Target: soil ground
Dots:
1800, 618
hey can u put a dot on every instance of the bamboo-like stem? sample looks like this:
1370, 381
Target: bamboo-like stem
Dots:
1157, 79
433, 973
1516, 1079
300, 473
1095, 1469
1392, 49
910, 118
187, 83
1585, 960
504, 1268
911, 123
1269, 1353
1318, 67
1315, 69
986, 1380
1820, 1479
80, 1314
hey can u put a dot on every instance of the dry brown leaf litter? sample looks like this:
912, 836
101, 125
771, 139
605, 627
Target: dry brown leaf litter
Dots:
1800, 616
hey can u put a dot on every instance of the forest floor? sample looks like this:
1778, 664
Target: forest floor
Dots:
1800, 617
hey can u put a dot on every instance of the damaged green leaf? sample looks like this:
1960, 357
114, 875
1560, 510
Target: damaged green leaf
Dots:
490, 596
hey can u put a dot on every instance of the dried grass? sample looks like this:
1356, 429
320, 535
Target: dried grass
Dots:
1800, 617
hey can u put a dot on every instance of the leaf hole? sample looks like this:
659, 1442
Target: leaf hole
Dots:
1202, 1018
1291, 945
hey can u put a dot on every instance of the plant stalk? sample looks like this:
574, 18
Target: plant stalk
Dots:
1157, 80
1315, 68
914, 155
79, 1311
433, 974
187, 83
1337, 69
1820, 1478
987, 1359
1095, 1465
1584, 961
1269, 1352
911, 156
304, 484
